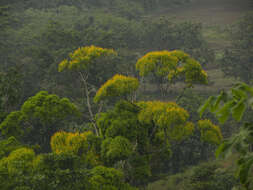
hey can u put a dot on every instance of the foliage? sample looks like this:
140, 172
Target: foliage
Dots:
127, 143
43, 112
25, 171
84, 145
237, 60
121, 121
138, 137
83, 57
11, 85
204, 176
44, 33
11, 125
18, 162
116, 149
164, 33
210, 132
161, 63
190, 101
6, 21
93, 64
22, 169
108, 179
86, 61
235, 103
168, 67
170, 119
119, 86
171, 64
40, 36
209, 177
8, 145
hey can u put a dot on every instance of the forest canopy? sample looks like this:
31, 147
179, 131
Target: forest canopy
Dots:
126, 95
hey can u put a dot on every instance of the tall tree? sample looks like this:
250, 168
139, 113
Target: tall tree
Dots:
91, 65
168, 67
137, 135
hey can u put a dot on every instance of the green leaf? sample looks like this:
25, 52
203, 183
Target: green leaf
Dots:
238, 110
224, 149
239, 94
245, 87
206, 105
221, 97
245, 166
224, 112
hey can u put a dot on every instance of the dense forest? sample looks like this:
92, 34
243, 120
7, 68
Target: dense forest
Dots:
126, 95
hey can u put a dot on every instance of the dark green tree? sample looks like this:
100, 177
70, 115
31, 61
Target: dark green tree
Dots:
39, 118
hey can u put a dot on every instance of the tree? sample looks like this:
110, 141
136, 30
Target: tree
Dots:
39, 118
169, 67
108, 179
136, 135
19, 162
235, 103
85, 61
85, 145
65, 168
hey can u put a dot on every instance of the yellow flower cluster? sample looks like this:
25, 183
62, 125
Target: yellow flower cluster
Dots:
173, 64
118, 85
63, 142
158, 62
150, 110
209, 132
74, 143
168, 116
82, 57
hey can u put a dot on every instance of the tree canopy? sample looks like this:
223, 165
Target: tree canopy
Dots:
46, 113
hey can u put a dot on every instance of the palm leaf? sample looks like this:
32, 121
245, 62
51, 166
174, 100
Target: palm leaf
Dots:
238, 110
225, 111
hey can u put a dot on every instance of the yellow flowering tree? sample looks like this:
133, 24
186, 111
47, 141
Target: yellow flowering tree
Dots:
85, 61
169, 119
118, 86
136, 135
79, 144
82, 58
168, 67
